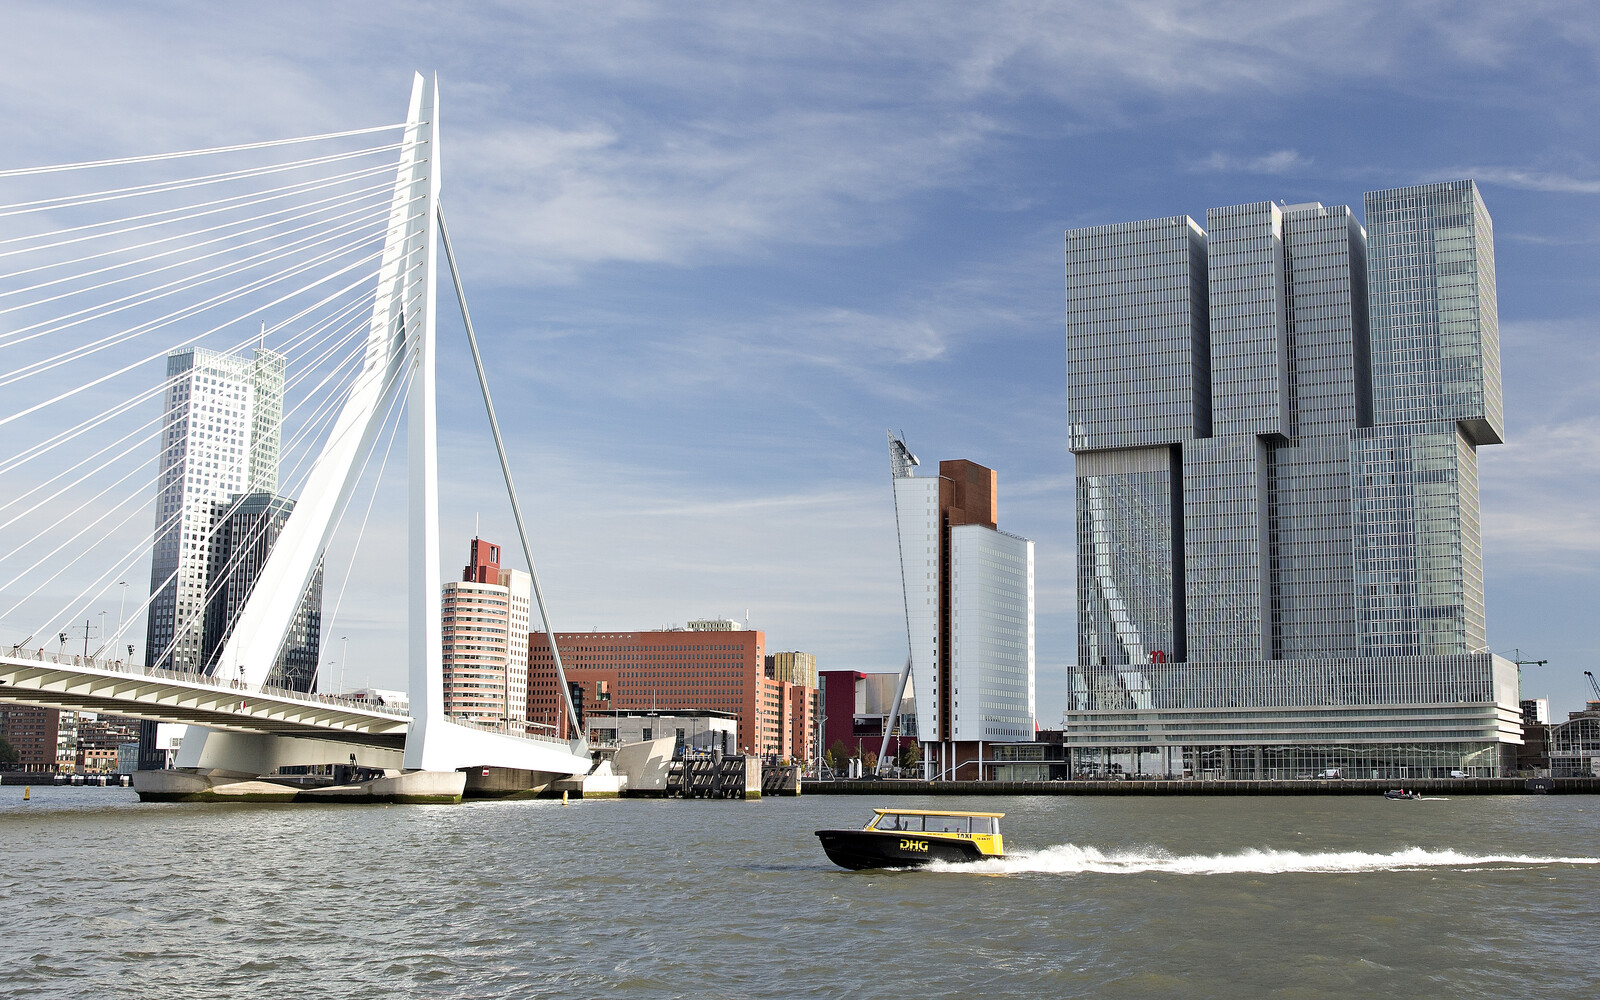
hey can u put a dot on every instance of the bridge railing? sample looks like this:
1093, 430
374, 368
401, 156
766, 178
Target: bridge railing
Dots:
506, 729
222, 684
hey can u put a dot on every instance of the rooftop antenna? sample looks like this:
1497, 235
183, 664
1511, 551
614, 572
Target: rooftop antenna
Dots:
474, 524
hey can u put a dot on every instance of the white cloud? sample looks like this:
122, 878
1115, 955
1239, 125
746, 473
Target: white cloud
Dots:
1526, 179
1540, 495
1279, 161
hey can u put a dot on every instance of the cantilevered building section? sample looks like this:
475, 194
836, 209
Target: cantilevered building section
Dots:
1275, 423
969, 613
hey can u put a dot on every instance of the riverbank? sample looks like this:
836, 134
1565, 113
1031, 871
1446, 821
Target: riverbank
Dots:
42, 778
1343, 786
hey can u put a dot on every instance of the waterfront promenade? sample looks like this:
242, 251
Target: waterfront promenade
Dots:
1342, 786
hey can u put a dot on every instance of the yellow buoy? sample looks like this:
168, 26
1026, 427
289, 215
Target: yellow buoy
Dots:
27, 792
563, 798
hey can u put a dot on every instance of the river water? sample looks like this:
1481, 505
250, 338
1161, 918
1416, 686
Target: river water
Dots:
1105, 897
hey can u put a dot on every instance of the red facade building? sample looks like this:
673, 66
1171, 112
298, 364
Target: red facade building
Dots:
33, 732
676, 671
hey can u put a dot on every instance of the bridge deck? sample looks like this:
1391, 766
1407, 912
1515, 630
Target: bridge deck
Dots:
65, 682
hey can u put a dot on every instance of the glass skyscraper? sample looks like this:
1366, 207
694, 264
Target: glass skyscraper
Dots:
217, 515
243, 532
1275, 421
220, 437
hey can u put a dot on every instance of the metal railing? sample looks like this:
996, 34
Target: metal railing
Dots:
224, 684
506, 729
111, 665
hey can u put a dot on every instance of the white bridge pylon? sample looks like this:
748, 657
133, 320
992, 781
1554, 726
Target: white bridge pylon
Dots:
400, 341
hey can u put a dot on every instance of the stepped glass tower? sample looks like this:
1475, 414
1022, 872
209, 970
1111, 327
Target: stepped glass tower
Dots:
1275, 422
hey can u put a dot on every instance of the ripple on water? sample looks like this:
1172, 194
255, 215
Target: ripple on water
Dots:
1308, 899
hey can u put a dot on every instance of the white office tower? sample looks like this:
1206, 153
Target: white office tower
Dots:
519, 586
220, 437
969, 613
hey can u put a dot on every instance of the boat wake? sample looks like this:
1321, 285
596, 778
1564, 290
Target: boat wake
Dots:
1069, 859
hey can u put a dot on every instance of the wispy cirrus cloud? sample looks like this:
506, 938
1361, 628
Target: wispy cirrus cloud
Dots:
1538, 498
1526, 179
1279, 161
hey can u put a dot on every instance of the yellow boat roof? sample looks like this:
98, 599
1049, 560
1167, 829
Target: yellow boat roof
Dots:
934, 812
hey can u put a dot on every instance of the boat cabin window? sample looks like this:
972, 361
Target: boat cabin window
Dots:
979, 825
892, 822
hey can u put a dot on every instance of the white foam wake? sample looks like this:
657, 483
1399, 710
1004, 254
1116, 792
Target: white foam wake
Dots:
1069, 859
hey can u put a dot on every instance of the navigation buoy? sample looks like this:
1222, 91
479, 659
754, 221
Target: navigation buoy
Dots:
563, 798
27, 792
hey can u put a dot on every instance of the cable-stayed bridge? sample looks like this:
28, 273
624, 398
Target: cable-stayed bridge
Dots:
206, 360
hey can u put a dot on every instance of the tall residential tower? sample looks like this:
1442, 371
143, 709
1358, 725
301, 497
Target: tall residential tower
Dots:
1275, 422
969, 613
485, 636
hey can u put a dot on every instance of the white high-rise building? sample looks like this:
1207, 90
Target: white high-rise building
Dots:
220, 437
484, 632
969, 613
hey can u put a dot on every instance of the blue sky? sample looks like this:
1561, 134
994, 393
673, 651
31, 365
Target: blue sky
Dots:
714, 250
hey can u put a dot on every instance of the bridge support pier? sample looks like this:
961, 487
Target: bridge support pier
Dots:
246, 755
422, 787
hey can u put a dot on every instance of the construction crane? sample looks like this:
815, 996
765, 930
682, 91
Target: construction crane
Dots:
1593, 684
1516, 657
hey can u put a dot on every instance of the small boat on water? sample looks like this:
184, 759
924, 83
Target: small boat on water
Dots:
910, 838
1401, 793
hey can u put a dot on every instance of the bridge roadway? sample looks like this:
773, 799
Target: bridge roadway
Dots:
62, 681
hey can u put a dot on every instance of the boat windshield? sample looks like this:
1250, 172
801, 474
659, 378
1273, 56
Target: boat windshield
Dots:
975, 825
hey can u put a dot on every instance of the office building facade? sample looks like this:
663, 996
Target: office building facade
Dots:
969, 603
722, 670
857, 706
220, 437
243, 532
33, 732
1275, 421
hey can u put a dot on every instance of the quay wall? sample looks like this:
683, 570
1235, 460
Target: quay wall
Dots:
1343, 786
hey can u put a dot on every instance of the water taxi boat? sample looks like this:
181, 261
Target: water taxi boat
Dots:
908, 838
1401, 793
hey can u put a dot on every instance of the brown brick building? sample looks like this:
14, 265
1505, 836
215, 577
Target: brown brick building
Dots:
33, 731
677, 671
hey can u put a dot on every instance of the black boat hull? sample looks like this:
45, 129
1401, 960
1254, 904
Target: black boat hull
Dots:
861, 849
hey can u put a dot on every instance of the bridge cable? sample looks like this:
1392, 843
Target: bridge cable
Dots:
179, 184
581, 739
122, 161
143, 489
214, 207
